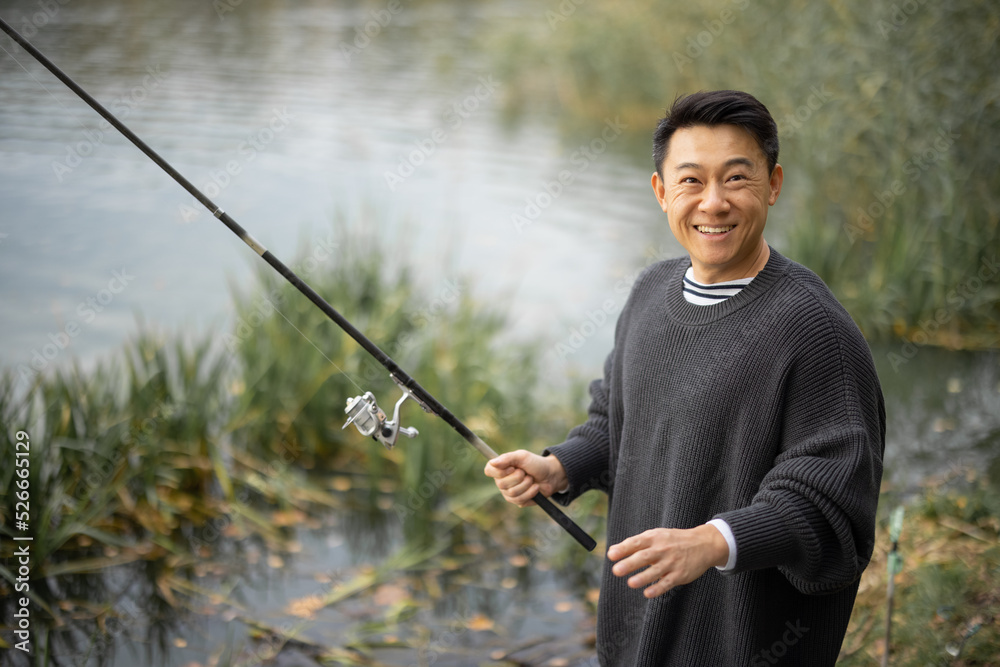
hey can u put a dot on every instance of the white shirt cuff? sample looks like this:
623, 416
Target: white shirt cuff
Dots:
727, 533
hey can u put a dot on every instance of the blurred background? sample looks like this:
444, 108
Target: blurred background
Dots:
467, 182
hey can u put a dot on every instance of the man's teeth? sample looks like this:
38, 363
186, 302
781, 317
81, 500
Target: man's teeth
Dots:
714, 230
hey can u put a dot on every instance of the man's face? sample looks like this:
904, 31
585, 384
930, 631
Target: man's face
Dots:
716, 191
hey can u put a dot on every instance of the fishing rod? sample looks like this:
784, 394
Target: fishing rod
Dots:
362, 411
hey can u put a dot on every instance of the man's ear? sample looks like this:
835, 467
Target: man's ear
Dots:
777, 178
659, 190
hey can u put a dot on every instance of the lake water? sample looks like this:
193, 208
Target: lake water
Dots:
264, 111
278, 115
275, 113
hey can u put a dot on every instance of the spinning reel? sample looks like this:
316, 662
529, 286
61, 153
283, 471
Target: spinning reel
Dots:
370, 420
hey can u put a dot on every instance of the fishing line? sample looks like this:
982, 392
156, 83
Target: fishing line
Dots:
363, 411
332, 362
40, 84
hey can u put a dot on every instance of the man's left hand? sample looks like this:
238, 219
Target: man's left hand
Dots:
671, 556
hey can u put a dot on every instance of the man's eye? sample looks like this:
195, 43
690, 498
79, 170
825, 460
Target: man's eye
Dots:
738, 177
690, 179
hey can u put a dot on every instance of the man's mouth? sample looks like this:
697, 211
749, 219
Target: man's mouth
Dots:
705, 229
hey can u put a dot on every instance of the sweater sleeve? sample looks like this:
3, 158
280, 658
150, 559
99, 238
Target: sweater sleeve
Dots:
585, 454
813, 516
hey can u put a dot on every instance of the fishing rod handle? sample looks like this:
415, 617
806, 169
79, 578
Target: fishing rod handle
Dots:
578, 534
557, 515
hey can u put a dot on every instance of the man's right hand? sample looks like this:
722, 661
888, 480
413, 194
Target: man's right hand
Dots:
520, 475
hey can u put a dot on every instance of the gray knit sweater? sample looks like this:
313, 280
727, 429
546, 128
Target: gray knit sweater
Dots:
763, 410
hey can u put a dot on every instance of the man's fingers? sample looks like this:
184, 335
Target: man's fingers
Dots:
661, 559
510, 481
513, 459
652, 574
634, 562
510, 471
626, 547
493, 471
519, 489
660, 587
499, 461
526, 498
657, 578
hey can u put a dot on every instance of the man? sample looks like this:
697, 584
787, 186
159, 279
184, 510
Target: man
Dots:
738, 429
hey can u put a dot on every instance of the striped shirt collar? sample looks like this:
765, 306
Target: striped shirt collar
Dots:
707, 295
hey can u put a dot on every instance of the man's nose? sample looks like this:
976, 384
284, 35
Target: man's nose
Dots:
714, 201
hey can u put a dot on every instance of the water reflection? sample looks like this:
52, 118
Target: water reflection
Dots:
473, 600
942, 409
352, 122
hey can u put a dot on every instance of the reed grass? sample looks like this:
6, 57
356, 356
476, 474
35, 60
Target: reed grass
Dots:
947, 603
173, 455
869, 97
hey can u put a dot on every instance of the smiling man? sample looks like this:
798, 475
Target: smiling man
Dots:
738, 429
715, 185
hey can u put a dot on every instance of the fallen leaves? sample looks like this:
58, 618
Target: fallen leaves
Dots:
341, 483
284, 518
390, 594
479, 623
305, 607
518, 560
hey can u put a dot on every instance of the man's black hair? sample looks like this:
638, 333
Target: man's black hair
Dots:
718, 107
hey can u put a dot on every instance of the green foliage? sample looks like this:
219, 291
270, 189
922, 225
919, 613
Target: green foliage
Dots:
297, 369
947, 597
885, 110
149, 458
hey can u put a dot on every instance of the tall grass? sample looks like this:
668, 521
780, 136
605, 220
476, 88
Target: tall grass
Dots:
168, 457
298, 369
887, 112
948, 592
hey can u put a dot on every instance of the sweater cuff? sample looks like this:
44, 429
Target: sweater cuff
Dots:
763, 538
585, 467
727, 534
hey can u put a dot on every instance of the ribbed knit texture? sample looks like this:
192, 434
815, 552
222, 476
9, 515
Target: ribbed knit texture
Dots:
763, 410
